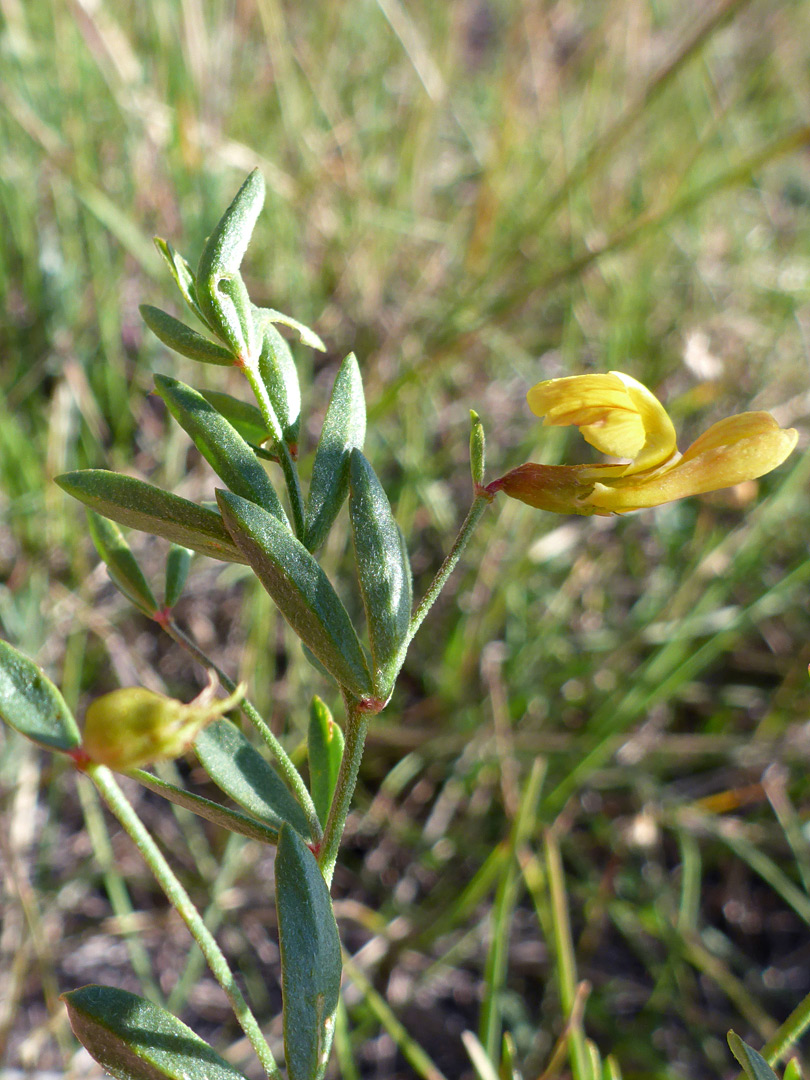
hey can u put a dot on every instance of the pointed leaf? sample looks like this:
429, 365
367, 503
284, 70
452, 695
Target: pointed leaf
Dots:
344, 428
178, 563
220, 444
121, 564
325, 751
132, 1039
246, 418
142, 506
183, 339
238, 769
232, 820
182, 274
754, 1065
383, 569
305, 334
792, 1070
31, 704
310, 958
280, 377
302, 591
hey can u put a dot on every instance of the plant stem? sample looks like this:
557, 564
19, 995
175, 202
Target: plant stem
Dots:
180, 900
356, 728
291, 775
479, 504
789, 1033
284, 457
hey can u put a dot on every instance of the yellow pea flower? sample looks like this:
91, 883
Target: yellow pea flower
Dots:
620, 417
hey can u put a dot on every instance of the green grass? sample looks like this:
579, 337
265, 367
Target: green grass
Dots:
473, 197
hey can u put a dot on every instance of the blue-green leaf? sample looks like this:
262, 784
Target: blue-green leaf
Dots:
238, 769
280, 376
220, 444
31, 704
183, 339
182, 274
178, 563
143, 506
246, 418
133, 1039
302, 591
383, 570
310, 958
344, 428
305, 334
325, 752
754, 1065
121, 564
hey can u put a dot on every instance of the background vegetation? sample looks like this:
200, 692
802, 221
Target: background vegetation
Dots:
473, 196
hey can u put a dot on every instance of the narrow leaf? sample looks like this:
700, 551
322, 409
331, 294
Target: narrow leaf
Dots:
121, 564
792, 1070
133, 1039
280, 377
246, 418
31, 704
305, 334
310, 958
183, 339
325, 751
232, 820
238, 769
383, 569
142, 506
754, 1065
178, 563
302, 591
344, 428
221, 445
182, 274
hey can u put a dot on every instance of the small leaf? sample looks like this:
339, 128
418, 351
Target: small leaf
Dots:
121, 564
221, 445
344, 428
231, 315
142, 506
302, 591
754, 1065
478, 449
310, 958
280, 377
132, 1039
182, 274
183, 339
232, 820
31, 704
178, 563
238, 769
325, 751
383, 569
246, 418
306, 336
792, 1070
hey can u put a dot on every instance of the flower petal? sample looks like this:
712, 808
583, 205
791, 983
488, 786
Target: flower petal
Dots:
660, 443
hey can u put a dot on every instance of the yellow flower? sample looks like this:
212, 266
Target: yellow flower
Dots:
620, 417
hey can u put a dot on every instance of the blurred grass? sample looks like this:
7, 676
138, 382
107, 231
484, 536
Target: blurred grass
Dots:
473, 196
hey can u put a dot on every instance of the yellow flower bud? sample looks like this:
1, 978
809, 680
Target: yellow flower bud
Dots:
131, 727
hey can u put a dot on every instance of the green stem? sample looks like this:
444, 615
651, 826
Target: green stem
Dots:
291, 775
789, 1033
180, 900
356, 728
284, 456
479, 504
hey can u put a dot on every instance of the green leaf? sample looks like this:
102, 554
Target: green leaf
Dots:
310, 958
478, 449
142, 506
246, 418
754, 1065
232, 820
221, 445
792, 1070
238, 769
383, 569
325, 751
220, 290
306, 336
132, 1039
302, 591
183, 339
31, 704
178, 563
344, 429
280, 377
182, 274
121, 563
